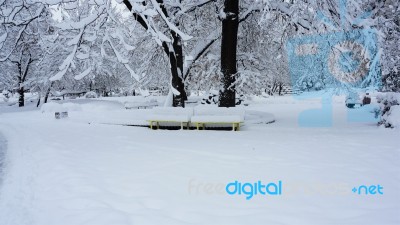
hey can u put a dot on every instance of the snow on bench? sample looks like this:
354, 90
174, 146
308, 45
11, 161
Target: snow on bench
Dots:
215, 119
218, 115
141, 105
170, 115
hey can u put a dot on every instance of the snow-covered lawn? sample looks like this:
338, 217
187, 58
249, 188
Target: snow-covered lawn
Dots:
75, 172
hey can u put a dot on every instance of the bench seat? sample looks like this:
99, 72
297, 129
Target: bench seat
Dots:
170, 115
216, 119
201, 121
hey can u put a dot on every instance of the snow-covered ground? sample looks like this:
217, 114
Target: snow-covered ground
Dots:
84, 170
3, 146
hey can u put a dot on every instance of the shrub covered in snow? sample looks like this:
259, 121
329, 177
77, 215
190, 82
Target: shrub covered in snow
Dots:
389, 109
91, 94
5, 95
213, 99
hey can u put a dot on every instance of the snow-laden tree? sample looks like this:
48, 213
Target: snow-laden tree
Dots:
168, 23
91, 34
352, 16
233, 14
20, 34
181, 45
101, 59
262, 58
172, 15
386, 18
231, 79
159, 19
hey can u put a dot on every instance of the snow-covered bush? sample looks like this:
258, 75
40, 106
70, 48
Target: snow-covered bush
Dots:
392, 117
213, 99
6, 95
389, 109
91, 94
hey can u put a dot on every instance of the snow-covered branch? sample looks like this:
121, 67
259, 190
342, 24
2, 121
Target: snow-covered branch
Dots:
67, 25
200, 48
184, 37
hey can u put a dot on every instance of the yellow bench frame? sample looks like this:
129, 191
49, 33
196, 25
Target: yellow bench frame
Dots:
235, 125
167, 121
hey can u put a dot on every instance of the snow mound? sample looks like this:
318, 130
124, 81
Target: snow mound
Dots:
102, 106
52, 107
257, 117
91, 94
392, 118
87, 106
71, 107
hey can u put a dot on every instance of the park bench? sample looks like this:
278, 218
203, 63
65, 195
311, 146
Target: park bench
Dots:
217, 115
170, 115
141, 105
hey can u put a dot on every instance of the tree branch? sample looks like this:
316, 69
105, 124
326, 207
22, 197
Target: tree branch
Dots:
137, 17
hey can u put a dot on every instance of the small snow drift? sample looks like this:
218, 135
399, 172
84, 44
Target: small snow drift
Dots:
53, 107
102, 105
257, 117
82, 105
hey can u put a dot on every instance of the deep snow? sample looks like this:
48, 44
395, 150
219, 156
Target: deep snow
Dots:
81, 171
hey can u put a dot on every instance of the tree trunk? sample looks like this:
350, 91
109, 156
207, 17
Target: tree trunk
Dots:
21, 99
175, 55
176, 62
21, 78
40, 98
177, 83
46, 97
230, 25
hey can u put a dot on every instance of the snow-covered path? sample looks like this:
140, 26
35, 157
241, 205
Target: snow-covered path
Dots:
70, 172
